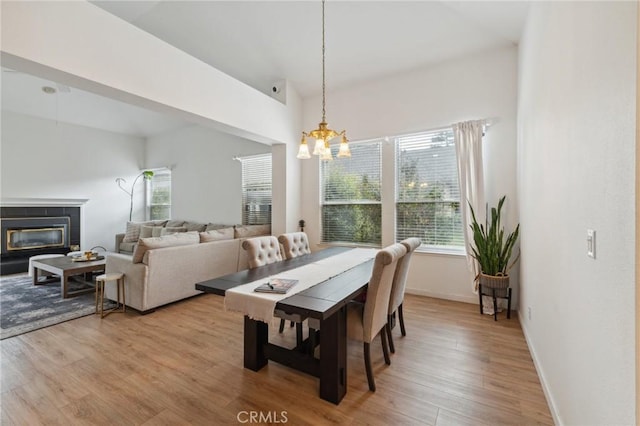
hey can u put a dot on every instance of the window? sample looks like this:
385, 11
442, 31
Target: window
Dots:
427, 190
160, 195
256, 190
351, 203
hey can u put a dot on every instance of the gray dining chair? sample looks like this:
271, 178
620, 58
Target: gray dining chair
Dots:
397, 289
366, 320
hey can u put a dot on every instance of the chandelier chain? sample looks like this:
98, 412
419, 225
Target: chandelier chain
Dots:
324, 119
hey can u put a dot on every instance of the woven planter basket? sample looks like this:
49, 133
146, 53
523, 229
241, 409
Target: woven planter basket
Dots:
499, 282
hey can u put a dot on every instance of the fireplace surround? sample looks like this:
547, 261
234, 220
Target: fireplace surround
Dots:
32, 230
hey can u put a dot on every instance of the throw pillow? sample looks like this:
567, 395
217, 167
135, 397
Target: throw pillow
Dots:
171, 230
173, 240
194, 226
174, 223
212, 226
216, 235
147, 231
246, 231
133, 231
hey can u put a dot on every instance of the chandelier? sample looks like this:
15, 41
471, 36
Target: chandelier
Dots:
323, 134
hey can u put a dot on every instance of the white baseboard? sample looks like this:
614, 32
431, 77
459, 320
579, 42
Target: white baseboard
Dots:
536, 364
455, 297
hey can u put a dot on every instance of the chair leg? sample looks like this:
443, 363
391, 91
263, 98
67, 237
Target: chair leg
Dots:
281, 329
387, 329
480, 298
401, 318
509, 303
495, 305
385, 348
367, 366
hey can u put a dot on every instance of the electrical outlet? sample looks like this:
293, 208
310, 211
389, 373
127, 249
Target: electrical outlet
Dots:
529, 312
591, 243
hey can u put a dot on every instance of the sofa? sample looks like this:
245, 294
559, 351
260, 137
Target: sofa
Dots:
164, 269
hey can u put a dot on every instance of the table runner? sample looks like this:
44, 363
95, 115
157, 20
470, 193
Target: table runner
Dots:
261, 306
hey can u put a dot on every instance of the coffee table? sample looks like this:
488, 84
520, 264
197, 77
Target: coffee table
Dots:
65, 268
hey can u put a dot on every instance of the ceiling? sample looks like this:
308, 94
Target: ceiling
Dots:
264, 42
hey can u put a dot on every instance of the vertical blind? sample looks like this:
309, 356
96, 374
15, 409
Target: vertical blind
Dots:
256, 190
427, 190
160, 198
351, 203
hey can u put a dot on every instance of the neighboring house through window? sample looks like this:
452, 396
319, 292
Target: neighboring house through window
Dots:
256, 189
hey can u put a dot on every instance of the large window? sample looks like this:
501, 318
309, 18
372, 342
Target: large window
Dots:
160, 195
256, 189
427, 190
351, 203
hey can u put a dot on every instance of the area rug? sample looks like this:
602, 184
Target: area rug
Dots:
25, 307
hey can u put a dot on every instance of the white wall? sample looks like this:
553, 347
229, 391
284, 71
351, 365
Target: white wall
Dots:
480, 86
576, 170
44, 159
206, 182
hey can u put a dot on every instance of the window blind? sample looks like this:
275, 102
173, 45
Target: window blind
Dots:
160, 198
256, 190
351, 203
427, 190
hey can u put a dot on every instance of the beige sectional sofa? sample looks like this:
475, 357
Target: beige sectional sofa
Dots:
165, 269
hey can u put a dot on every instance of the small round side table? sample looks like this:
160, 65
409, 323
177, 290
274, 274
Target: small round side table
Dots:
101, 281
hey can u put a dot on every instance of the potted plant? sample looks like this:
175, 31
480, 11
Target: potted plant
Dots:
492, 249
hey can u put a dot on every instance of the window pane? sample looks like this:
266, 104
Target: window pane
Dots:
256, 190
351, 208
427, 191
160, 203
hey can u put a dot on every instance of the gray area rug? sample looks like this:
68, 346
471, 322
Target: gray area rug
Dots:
25, 307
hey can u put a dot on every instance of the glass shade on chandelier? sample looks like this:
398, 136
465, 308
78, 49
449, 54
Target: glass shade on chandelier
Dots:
323, 134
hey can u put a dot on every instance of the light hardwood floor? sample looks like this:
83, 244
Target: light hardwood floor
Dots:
183, 365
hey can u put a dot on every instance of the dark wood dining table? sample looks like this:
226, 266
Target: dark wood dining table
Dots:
325, 303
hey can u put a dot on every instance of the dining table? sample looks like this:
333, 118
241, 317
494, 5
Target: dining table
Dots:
328, 280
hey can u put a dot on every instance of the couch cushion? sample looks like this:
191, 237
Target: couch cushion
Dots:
168, 230
195, 226
246, 231
177, 239
216, 235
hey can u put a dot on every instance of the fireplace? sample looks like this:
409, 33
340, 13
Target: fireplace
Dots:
33, 230
34, 233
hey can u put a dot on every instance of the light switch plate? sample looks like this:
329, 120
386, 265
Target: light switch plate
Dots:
591, 243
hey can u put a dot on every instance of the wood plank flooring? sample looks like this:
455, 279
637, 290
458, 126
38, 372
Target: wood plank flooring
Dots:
183, 365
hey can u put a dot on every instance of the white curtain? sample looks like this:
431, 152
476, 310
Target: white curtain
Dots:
468, 140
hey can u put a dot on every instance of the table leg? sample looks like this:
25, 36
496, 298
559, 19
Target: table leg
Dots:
333, 357
64, 285
256, 335
35, 276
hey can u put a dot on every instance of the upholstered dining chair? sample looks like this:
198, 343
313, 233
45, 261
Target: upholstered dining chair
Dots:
397, 289
264, 251
293, 244
366, 320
